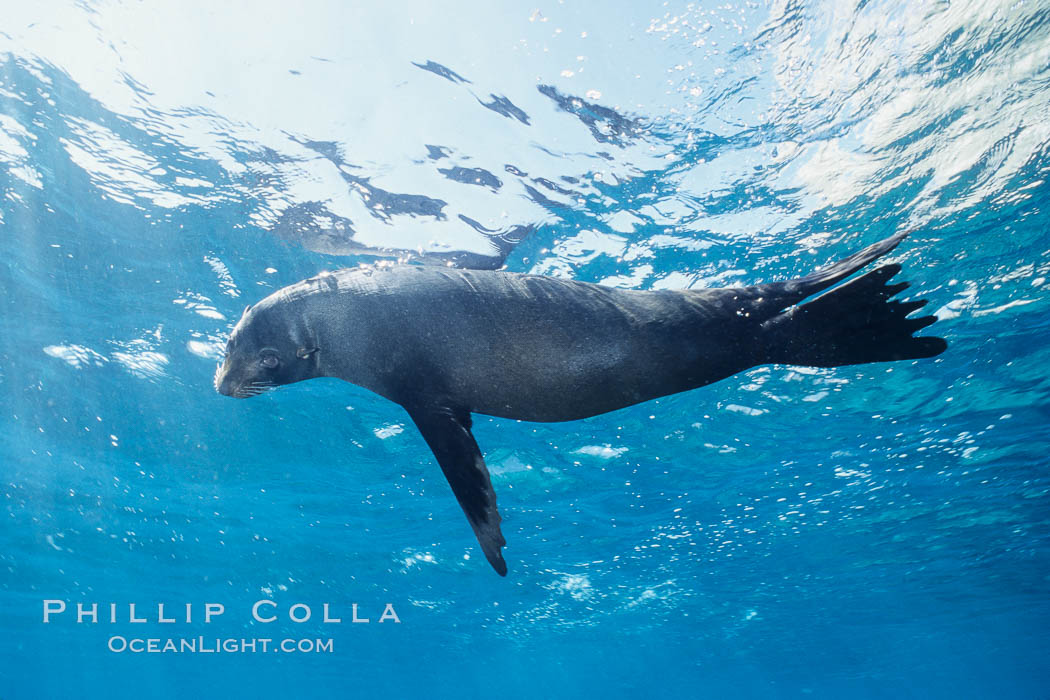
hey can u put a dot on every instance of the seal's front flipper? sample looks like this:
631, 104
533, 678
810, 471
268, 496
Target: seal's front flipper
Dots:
447, 432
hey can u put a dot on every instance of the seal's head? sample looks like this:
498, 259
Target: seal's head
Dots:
268, 347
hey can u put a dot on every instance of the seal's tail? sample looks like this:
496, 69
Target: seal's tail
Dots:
852, 324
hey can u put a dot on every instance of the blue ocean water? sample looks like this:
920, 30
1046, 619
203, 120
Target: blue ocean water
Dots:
871, 531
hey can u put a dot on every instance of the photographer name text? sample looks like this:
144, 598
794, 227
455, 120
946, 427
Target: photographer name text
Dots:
262, 611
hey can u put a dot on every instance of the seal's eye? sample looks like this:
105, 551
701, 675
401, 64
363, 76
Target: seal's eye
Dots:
269, 361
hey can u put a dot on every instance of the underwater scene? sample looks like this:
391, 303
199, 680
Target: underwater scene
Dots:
799, 524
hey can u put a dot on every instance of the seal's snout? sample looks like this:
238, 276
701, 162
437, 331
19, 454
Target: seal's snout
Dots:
227, 386
234, 379
226, 389
222, 380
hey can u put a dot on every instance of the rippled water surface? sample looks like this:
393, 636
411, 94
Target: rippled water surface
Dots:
869, 531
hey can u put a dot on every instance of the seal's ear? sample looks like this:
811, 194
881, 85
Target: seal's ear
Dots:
246, 309
303, 353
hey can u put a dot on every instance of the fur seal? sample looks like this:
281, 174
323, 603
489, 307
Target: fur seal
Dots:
445, 343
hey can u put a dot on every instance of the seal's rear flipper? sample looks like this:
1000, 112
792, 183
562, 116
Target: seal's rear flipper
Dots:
771, 298
447, 432
852, 324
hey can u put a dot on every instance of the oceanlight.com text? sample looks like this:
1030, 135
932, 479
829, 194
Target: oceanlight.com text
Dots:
217, 645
